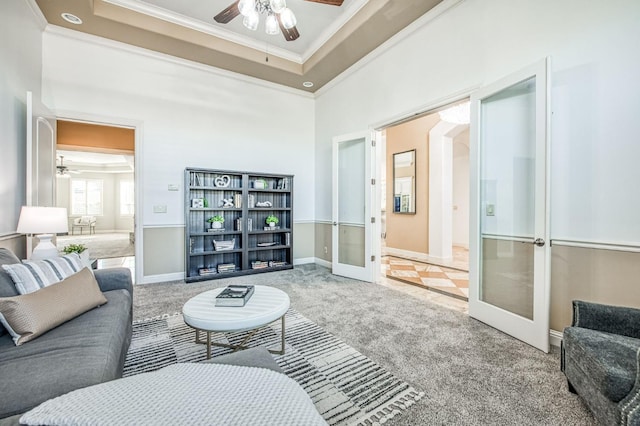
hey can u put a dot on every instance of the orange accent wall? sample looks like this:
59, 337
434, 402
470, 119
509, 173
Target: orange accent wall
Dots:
73, 135
410, 231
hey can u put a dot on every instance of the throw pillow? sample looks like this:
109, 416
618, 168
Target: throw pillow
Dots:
31, 276
31, 315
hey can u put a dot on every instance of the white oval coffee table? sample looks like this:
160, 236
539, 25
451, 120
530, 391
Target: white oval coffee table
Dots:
266, 305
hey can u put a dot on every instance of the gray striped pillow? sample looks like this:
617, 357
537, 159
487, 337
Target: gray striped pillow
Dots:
31, 276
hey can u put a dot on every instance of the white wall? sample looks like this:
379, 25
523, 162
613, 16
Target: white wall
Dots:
20, 71
595, 97
460, 219
191, 116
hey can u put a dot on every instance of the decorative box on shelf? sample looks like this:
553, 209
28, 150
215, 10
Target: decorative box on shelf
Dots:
224, 245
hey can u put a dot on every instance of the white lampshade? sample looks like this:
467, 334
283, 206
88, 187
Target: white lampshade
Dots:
246, 7
277, 5
252, 20
271, 26
42, 220
287, 18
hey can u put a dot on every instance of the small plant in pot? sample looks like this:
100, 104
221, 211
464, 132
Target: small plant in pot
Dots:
272, 221
80, 249
216, 221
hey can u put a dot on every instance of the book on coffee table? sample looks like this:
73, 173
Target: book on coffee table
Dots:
234, 295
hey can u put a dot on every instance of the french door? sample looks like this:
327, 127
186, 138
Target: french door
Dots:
352, 213
509, 232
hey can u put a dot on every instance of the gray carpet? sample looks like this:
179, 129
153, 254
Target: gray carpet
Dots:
101, 246
346, 387
471, 374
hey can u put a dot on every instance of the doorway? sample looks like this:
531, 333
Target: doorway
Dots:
427, 245
95, 176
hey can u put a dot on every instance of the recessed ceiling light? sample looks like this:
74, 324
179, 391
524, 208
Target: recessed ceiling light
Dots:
307, 84
71, 18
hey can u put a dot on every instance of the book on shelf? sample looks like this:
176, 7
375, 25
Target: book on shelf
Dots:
226, 267
207, 271
240, 222
276, 263
234, 295
258, 264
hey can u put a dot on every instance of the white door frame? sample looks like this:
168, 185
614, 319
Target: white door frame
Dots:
365, 273
536, 331
138, 127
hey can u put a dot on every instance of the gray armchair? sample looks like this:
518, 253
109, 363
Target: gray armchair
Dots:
600, 356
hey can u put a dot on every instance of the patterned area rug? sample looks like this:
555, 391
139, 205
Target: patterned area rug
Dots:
347, 387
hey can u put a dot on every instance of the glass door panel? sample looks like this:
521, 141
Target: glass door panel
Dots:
507, 198
351, 237
351, 207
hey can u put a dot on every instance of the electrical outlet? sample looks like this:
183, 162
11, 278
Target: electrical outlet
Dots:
162, 208
326, 250
173, 187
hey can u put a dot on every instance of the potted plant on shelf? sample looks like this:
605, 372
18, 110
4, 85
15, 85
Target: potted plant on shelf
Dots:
272, 221
81, 250
216, 221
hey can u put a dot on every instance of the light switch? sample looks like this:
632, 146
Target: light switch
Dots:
160, 208
173, 187
491, 210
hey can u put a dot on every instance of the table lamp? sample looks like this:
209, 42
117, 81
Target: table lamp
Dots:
45, 222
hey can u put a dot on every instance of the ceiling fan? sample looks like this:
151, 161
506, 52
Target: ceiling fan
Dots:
64, 170
279, 17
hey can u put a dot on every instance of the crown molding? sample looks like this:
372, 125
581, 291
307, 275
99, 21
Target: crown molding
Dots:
55, 30
40, 19
196, 25
431, 15
332, 29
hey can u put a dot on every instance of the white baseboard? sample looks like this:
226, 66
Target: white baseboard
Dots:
160, 278
322, 262
555, 338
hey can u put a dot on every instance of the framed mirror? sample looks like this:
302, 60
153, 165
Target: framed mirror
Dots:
404, 182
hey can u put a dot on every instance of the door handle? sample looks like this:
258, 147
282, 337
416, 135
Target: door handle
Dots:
539, 242
335, 224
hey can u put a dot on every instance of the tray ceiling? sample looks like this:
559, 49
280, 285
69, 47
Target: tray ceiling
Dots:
331, 39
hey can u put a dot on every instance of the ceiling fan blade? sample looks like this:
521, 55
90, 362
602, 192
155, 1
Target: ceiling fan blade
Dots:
330, 2
289, 34
228, 14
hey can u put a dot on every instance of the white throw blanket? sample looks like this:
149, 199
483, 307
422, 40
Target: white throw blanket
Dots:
184, 394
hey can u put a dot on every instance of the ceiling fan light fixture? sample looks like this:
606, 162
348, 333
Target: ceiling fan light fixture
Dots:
277, 5
287, 18
252, 20
271, 26
246, 7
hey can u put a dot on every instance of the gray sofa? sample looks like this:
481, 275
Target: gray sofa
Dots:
600, 357
86, 350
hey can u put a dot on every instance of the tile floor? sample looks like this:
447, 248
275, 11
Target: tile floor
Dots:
451, 282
